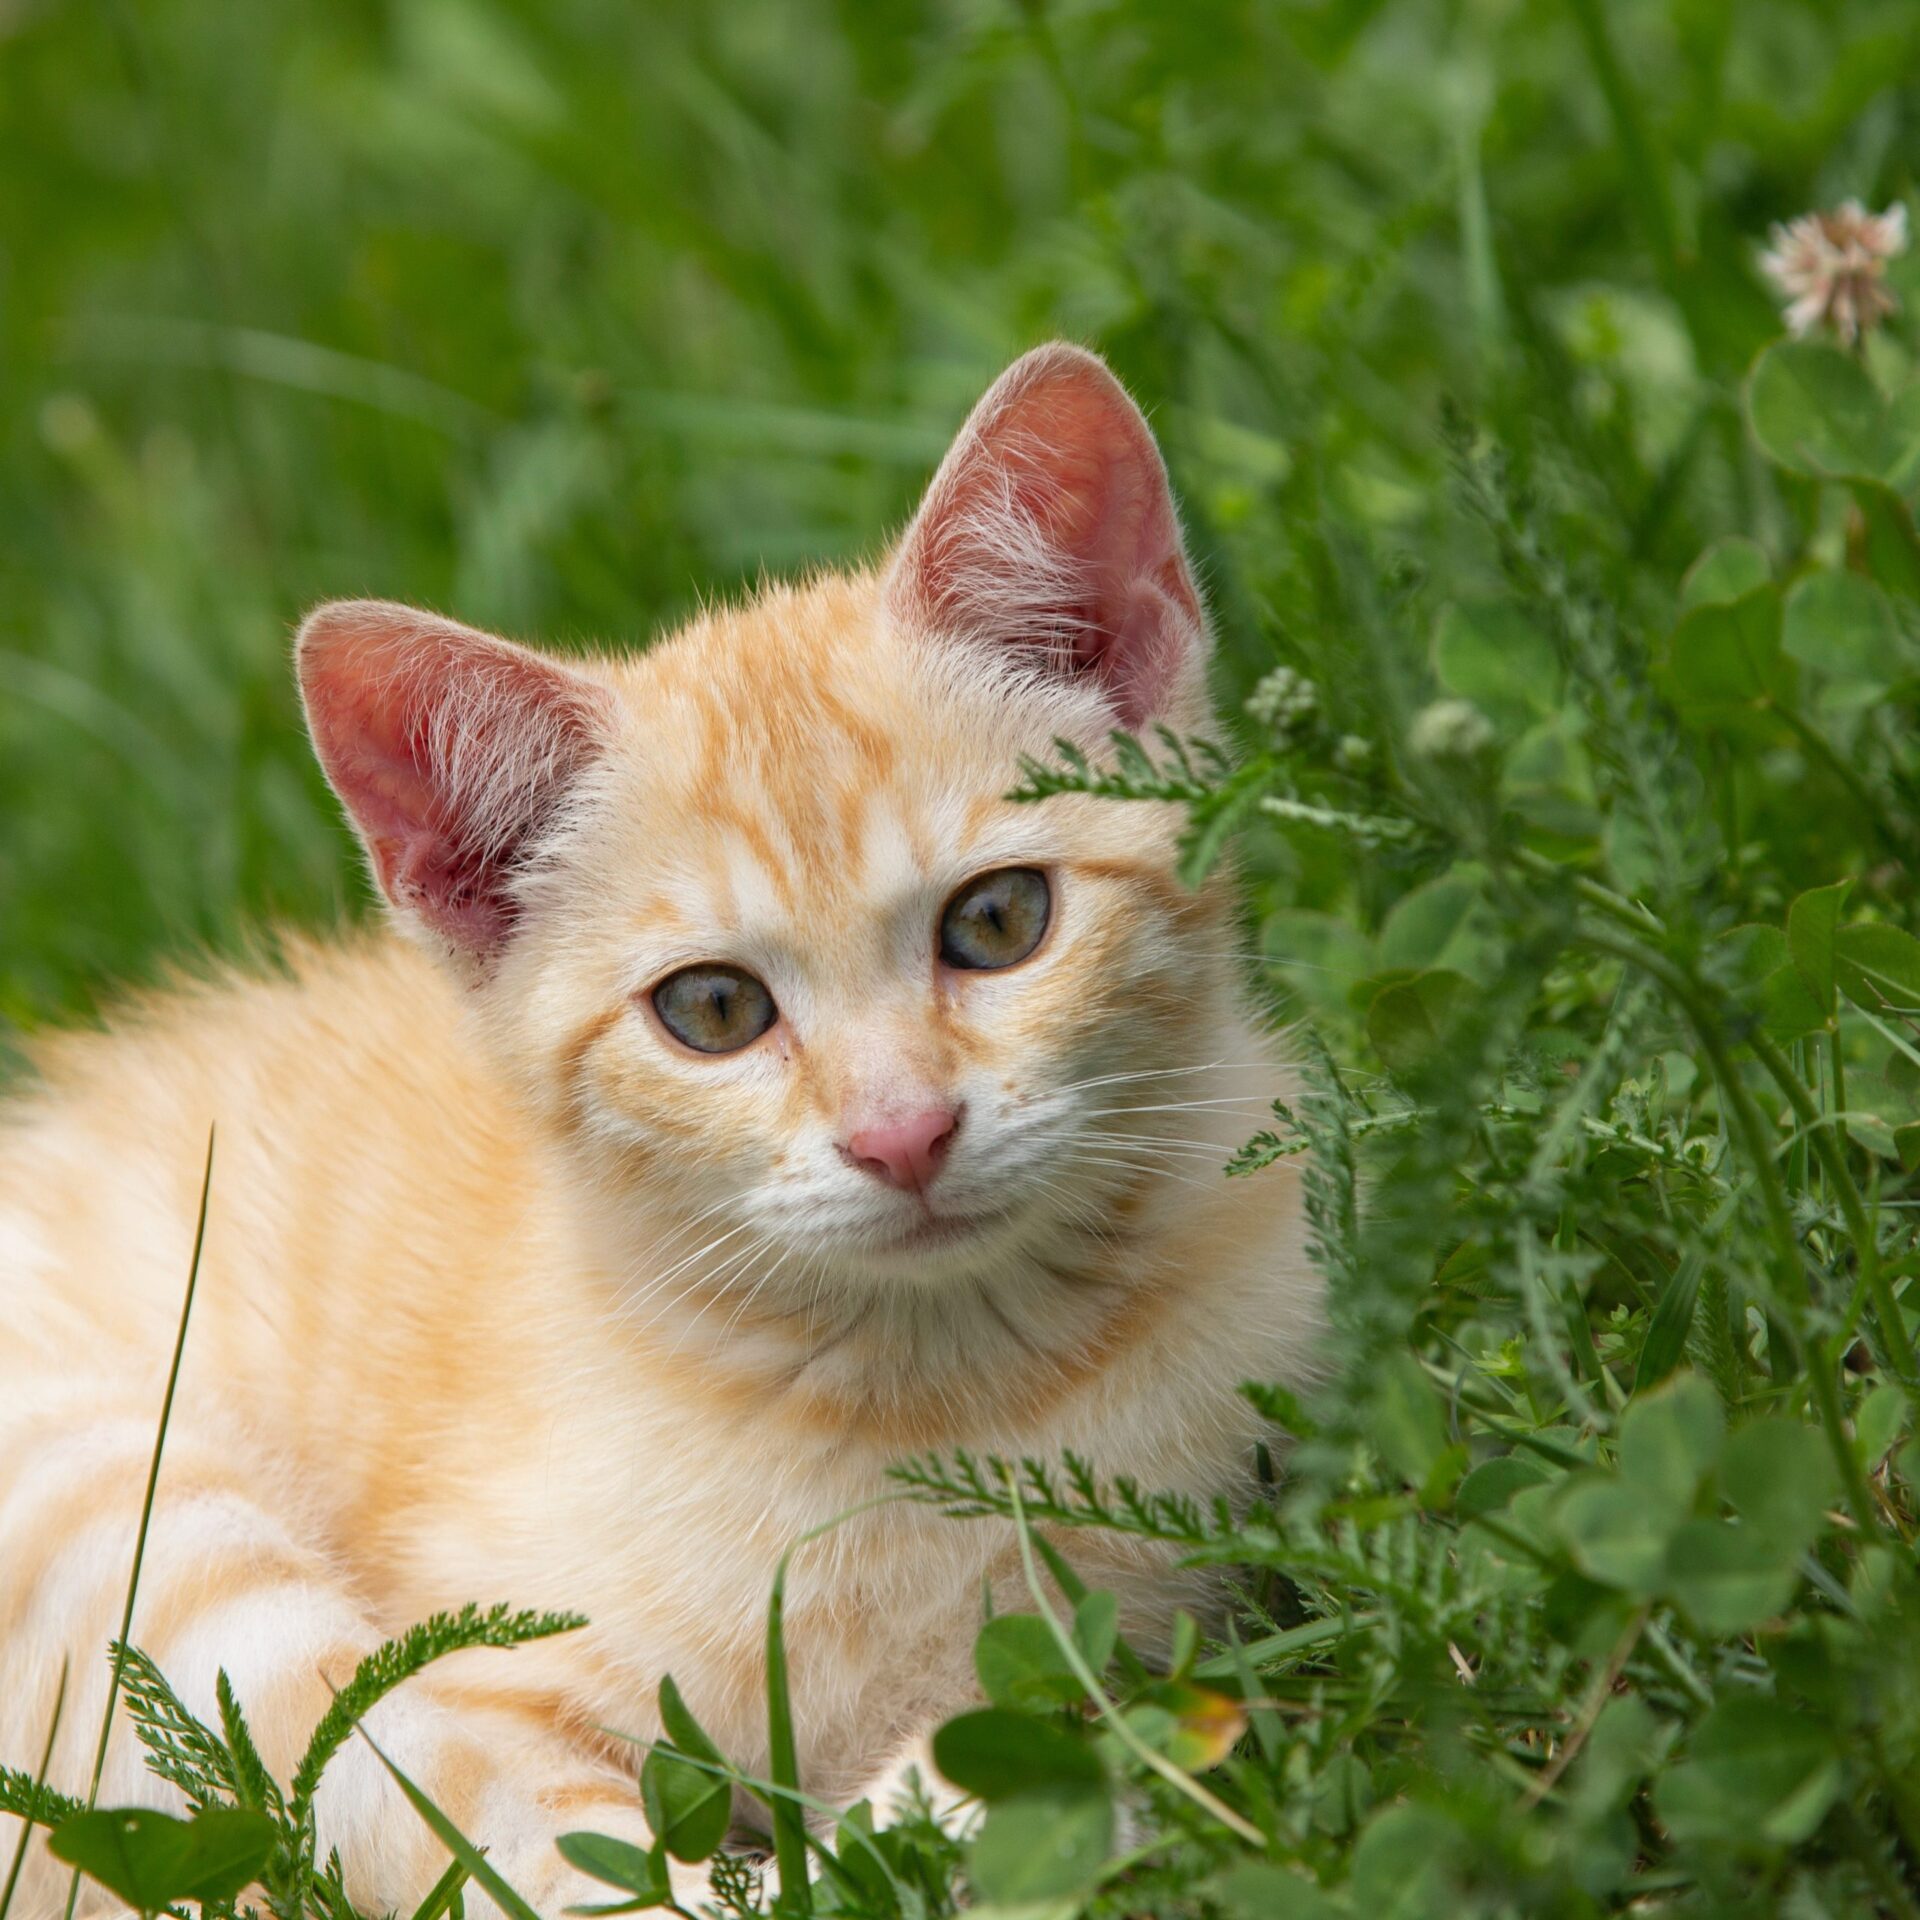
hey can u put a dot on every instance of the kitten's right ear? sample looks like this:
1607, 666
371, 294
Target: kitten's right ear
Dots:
451, 750
1050, 533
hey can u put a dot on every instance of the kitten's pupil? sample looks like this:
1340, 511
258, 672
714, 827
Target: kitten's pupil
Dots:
714, 1008
996, 919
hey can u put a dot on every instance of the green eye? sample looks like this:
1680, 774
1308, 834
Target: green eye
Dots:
996, 920
714, 1009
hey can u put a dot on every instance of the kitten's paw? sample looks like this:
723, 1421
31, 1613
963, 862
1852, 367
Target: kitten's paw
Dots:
911, 1778
551, 1884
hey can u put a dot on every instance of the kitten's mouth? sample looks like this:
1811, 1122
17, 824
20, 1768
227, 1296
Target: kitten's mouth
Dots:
947, 1230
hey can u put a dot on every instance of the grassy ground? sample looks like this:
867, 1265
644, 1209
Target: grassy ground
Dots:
1583, 830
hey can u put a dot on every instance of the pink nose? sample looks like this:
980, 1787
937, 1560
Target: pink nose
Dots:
905, 1153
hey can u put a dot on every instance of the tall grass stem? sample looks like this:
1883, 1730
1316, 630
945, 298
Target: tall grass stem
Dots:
146, 1506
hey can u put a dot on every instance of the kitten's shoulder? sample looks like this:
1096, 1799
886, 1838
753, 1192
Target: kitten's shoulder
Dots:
314, 1006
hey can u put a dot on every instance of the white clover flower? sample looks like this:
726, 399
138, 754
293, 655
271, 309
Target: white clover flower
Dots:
1831, 267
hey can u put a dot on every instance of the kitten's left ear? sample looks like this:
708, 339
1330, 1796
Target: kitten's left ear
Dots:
1051, 528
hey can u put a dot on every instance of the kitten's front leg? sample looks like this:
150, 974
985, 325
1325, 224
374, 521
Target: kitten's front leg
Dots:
232, 1581
519, 1831
530, 1861
506, 1768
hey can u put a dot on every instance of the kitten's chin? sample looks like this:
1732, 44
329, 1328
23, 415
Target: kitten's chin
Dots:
940, 1230
940, 1246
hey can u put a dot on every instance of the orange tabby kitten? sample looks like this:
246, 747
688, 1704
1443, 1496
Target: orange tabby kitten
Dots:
759, 1098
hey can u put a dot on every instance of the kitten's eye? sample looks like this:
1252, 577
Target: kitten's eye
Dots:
997, 919
714, 1009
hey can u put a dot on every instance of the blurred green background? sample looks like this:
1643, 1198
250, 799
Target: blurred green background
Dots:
562, 315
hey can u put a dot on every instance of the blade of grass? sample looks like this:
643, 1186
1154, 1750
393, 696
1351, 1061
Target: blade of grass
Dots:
444, 1891
1175, 1777
146, 1508
1075, 1589
1645, 170
1264, 1721
1666, 1342
783, 1760
790, 1836
1276, 1646
39, 1786
282, 360
1480, 268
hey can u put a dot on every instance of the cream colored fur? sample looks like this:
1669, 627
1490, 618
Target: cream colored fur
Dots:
505, 1295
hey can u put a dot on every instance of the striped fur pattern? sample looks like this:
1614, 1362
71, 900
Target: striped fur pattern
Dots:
506, 1294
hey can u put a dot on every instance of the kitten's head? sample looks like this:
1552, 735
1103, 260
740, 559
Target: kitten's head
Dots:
748, 917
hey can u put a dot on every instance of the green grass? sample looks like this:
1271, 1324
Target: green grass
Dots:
564, 316
1578, 830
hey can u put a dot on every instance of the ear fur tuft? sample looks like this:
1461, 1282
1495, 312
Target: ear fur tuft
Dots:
452, 751
1051, 527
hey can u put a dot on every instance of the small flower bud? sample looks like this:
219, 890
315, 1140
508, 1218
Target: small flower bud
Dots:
1450, 730
1284, 703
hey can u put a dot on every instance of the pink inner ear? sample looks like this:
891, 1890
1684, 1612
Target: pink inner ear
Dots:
450, 749
1051, 526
